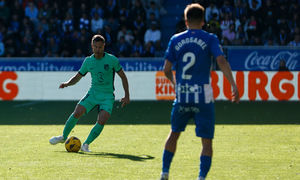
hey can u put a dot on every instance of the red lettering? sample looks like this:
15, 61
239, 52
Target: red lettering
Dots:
299, 85
214, 81
11, 87
159, 89
240, 81
260, 87
289, 88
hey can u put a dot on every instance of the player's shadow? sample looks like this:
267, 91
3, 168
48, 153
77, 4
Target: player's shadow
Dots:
120, 156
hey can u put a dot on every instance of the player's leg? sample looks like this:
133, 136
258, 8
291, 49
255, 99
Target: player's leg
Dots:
168, 154
105, 109
96, 130
179, 120
205, 127
70, 124
205, 158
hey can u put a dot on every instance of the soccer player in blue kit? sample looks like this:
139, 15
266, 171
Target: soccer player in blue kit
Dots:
190, 54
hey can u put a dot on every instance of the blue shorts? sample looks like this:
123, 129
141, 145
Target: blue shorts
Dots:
203, 115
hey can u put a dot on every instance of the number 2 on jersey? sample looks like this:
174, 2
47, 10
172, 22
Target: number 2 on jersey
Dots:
190, 58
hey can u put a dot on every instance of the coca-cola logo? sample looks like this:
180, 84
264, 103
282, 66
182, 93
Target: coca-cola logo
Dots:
254, 61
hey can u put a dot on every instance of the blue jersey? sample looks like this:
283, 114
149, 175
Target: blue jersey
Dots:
190, 53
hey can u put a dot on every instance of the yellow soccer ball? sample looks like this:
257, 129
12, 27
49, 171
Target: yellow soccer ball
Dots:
73, 144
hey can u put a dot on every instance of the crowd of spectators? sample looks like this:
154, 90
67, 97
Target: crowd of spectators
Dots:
43, 28
254, 22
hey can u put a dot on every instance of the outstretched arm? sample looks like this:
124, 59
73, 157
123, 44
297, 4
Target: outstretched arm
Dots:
168, 71
225, 68
72, 81
126, 98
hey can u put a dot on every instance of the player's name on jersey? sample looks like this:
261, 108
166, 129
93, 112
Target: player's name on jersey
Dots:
195, 40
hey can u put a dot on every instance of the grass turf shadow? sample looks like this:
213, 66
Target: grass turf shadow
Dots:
147, 112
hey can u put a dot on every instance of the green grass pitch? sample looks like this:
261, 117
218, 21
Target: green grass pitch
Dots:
134, 152
252, 141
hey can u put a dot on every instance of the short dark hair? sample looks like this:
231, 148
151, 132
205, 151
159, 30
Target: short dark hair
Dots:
98, 38
194, 13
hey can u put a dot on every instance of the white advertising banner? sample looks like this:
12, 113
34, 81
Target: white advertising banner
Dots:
150, 85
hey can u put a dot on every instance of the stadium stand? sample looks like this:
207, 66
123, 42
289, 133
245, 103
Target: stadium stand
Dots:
43, 28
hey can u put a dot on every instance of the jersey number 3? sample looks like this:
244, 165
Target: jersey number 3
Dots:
190, 58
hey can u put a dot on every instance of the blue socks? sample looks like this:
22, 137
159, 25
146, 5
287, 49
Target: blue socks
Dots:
167, 159
205, 163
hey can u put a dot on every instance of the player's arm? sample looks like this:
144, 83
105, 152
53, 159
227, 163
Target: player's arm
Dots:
168, 71
126, 98
225, 68
72, 81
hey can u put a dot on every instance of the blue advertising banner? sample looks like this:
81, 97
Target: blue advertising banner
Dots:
74, 64
263, 59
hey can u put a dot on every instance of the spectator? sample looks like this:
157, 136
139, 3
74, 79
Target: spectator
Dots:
153, 34
83, 10
129, 38
282, 66
296, 41
123, 48
45, 12
257, 41
111, 10
37, 52
15, 24
40, 35
252, 27
212, 28
269, 19
255, 10
283, 37
239, 9
32, 12
52, 45
180, 25
151, 19
226, 9
113, 23
70, 9
84, 22
124, 19
56, 12
68, 23
137, 49
229, 33
97, 9
26, 47
2, 48
270, 42
295, 22
139, 28
138, 10
122, 32
16, 8
149, 50
96, 23
4, 11
109, 40
226, 22
241, 35
153, 9
79, 53
211, 11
